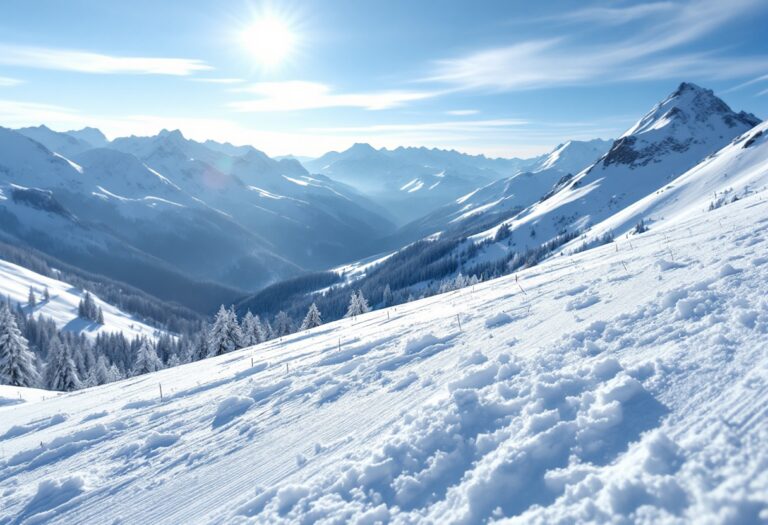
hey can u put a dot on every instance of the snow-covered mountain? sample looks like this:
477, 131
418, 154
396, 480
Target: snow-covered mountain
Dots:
115, 216
508, 196
411, 182
62, 143
734, 172
92, 136
244, 220
573, 156
676, 135
15, 283
614, 385
311, 221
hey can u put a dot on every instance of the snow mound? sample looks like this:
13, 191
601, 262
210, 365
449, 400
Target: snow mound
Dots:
231, 408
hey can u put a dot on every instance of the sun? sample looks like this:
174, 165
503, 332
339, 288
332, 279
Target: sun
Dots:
269, 39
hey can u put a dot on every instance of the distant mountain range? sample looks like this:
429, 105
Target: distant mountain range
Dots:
179, 218
410, 182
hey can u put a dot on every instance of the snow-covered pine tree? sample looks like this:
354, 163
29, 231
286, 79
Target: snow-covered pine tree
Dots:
251, 330
269, 332
362, 302
354, 306
225, 335
99, 374
100, 316
61, 372
387, 296
87, 308
17, 363
283, 324
312, 319
146, 359
46, 294
31, 299
173, 361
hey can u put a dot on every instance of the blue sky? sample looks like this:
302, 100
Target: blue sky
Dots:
506, 78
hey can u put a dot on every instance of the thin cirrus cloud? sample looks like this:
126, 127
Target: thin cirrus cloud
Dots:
9, 82
462, 112
297, 95
455, 125
20, 113
651, 53
214, 80
98, 63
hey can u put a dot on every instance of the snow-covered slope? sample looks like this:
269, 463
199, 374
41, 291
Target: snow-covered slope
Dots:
16, 281
574, 155
737, 170
628, 383
673, 137
16, 395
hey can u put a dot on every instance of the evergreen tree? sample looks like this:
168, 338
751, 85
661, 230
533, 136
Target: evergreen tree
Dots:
173, 361
354, 306
269, 332
146, 359
87, 308
312, 319
61, 372
283, 324
31, 300
17, 363
46, 294
387, 296
252, 331
357, 304
100, 316
225, 334
100, 373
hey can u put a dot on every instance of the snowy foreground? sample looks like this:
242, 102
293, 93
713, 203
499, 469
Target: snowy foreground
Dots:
626, 382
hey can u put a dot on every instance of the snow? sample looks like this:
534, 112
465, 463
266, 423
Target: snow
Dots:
296, 181
647, 403
15, 282
14, 395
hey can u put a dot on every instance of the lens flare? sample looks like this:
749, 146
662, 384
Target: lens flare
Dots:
269, 39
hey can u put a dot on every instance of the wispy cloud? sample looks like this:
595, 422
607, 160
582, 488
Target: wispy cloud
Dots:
212, 80
652, 51
462, 112
761, 78
614, 15
301, 95
20, 113
89, 62
455, 125
8, 81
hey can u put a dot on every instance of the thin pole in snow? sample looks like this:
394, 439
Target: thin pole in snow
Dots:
625, 266
251, 361
339, 344
286, 368
521, 289
387, 315
458, 319
161, 390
